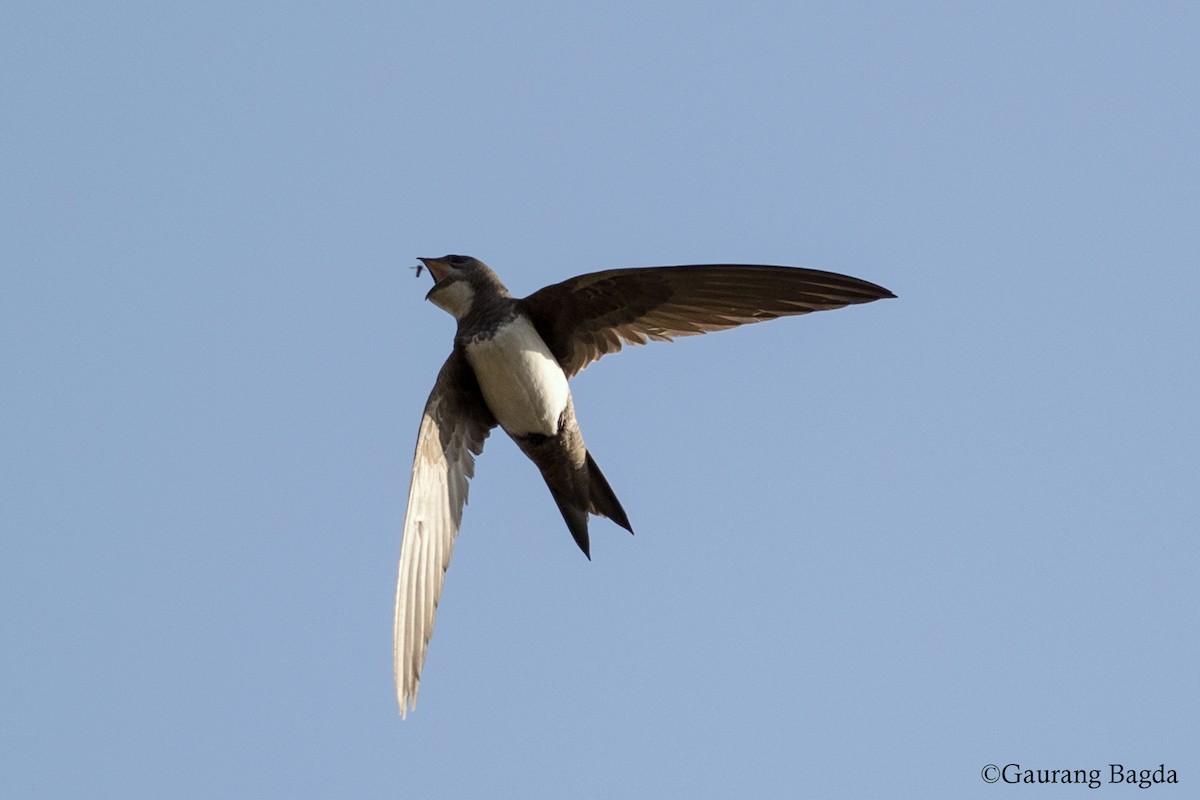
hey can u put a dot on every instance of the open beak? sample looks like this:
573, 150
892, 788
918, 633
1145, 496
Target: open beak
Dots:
437, 267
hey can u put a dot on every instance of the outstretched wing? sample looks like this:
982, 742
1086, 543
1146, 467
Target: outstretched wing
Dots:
453, 428
593, 315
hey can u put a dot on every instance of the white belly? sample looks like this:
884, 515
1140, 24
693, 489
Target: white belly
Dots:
522, 383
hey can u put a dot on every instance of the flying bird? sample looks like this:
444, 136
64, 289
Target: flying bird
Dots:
510, 365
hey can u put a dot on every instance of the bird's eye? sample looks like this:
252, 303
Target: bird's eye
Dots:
457, 259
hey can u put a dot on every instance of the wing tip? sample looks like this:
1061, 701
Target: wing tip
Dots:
406, 701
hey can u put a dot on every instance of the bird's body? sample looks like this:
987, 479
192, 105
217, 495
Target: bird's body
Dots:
523, 386
510, 367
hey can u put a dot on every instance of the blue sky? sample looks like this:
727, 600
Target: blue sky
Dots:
877, 548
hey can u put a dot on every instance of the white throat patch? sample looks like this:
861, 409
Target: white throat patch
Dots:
454, 298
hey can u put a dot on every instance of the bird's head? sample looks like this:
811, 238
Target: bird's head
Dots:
456, 282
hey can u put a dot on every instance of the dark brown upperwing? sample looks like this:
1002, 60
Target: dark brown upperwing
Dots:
590, 316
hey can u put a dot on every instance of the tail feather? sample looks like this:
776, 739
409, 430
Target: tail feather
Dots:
585, 492
578, 489
602, 499
577, 521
